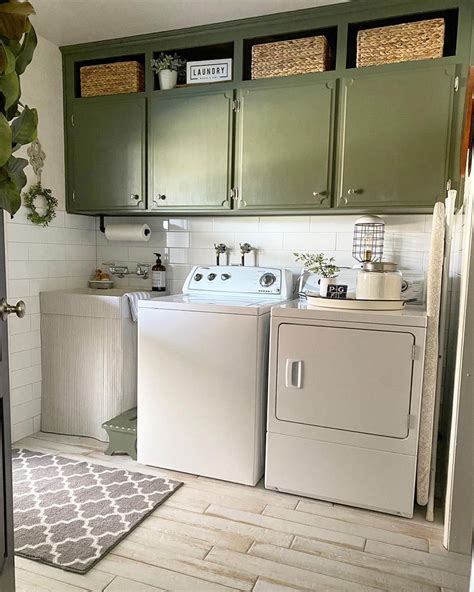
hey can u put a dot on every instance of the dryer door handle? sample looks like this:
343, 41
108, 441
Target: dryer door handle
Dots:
294, 374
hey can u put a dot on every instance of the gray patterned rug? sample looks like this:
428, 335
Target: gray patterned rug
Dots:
70, 514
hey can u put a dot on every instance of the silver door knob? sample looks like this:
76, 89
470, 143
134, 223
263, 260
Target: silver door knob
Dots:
161, 196
352, 191
134, 196
6, 309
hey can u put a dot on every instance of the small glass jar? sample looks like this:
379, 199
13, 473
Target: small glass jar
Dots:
379, 280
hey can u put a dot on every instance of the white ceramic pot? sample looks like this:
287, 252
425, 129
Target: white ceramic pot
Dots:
323, 286
168, 79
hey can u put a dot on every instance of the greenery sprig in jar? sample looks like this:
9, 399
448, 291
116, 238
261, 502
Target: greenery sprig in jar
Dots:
324, 267
168, 66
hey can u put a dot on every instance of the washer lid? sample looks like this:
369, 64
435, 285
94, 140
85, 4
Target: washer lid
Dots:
208, 303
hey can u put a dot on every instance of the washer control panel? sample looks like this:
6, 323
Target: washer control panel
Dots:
230, 279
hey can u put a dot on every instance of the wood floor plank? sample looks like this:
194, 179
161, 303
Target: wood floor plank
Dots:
285, 526
407, 571
219, 524
266, 585
266, 496
340, 569
144, 573
207, 572
193, 494
287, 574
124, 585
451, 562
93, 580
30, 582
332, 524
364, 517
228, 540
168, 544
81, 441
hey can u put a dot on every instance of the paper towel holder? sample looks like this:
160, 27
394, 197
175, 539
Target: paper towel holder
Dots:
102, 225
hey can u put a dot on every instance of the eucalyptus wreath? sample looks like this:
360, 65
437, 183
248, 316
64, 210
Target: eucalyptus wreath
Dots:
29, 199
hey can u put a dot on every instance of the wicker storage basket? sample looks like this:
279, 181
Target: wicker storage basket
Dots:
407, 42
112, 79
286, 58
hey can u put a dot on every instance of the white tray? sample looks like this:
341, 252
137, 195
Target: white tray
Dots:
353, 304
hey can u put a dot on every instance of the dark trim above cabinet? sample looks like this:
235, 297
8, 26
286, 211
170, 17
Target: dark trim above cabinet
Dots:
272, 145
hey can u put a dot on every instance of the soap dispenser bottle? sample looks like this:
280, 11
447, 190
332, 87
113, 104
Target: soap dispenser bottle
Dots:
158, 275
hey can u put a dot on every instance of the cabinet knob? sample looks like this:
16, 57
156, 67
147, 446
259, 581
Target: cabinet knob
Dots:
158, 198
353, 191
134, 196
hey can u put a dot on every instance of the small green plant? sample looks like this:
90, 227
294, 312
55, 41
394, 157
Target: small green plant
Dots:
166, 61
319, 264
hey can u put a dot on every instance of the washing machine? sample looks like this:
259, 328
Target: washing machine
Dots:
202, 372
344, 404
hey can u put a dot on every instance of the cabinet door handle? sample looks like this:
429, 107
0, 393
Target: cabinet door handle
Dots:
353, 191
321, 196
294, 379
135, 197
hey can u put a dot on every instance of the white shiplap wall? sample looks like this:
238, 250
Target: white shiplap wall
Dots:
188, 241
59, 256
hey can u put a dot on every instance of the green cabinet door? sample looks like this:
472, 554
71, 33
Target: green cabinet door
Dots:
284, 146
106, 155
394, 138
190, 151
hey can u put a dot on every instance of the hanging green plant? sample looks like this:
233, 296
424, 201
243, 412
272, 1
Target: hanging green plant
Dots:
51, 203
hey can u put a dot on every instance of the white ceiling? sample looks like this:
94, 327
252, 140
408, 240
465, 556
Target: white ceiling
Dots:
65, 22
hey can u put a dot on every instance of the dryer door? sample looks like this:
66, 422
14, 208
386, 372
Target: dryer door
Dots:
357, 380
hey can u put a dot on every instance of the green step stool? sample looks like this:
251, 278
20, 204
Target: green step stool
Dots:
122, 432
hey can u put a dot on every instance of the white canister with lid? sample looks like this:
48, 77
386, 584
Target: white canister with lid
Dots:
379, 280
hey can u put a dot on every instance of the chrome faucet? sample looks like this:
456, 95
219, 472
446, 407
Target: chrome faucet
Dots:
142, 270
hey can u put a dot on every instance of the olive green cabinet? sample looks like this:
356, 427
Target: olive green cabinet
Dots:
394, 134
190, 151
106, 156
284, 146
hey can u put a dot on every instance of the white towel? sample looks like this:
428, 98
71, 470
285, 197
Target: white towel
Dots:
133, 298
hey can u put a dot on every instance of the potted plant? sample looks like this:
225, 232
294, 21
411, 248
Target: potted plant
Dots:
323, 266
167, 67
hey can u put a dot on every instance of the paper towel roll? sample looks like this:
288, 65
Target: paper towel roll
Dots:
128, 232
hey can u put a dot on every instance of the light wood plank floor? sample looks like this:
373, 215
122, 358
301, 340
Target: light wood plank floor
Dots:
211, 535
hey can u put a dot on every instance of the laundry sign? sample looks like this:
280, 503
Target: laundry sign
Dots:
208, 71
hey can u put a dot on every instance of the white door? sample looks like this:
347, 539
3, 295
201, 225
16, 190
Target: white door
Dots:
357, 380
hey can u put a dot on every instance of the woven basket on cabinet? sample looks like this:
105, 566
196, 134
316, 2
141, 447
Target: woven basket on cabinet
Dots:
286, 58
112, 79
420, 40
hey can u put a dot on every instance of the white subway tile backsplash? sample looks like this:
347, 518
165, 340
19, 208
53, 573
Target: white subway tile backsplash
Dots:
20, 395
207, 240
237, 224
22, 429
177, 239
260, 240
308, 241
25, 411
284, 224
18, 252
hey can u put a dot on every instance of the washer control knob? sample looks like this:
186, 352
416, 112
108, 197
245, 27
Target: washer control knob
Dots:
267, 280
198, 277
211, 276
225, 276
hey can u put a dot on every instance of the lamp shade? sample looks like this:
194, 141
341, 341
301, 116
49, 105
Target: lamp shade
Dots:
367, 243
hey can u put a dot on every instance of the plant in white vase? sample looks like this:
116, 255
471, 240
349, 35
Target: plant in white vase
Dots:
167, 67
323, 266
